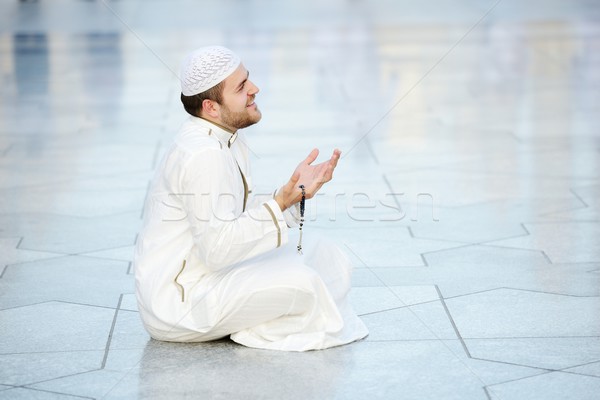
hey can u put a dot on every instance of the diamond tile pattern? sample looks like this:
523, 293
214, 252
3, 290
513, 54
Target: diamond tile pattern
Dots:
468, 194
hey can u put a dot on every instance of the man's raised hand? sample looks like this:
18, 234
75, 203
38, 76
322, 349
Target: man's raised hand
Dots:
313, 177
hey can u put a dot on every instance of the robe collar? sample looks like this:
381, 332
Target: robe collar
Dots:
225, 137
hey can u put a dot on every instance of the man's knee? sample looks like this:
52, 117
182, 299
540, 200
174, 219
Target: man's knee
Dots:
298, 276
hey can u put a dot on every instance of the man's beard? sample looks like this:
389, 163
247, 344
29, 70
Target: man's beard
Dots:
238, 120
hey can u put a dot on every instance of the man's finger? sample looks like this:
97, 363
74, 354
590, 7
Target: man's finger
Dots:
335, 157
293, 182
329, 173
311, 157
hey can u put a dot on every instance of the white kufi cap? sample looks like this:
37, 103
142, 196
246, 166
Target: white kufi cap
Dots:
206, 68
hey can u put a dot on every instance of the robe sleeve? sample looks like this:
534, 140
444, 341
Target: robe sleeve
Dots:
292, 215
222, 235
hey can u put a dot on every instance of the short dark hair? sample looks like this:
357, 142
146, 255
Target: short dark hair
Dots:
193, 104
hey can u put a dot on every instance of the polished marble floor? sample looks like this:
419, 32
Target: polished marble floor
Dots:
468, 194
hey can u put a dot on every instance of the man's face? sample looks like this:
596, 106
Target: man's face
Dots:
238, 109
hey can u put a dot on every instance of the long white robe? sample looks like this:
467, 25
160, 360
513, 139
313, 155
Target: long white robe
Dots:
209, 264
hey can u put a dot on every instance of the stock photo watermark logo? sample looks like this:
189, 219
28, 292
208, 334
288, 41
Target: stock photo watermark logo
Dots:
324, 207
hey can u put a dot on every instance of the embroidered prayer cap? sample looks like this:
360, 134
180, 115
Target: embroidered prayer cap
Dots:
205, 68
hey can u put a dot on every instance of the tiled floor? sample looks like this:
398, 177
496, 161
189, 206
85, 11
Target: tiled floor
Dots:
468, 195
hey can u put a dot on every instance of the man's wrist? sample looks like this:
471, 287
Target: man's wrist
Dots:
279, 199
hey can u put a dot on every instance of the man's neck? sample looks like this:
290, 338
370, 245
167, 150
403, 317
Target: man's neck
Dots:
212, 121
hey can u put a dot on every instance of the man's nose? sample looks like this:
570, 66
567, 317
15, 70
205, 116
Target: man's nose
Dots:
253, 89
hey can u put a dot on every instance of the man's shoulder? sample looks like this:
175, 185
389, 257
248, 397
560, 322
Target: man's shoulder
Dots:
196, 144
193, 139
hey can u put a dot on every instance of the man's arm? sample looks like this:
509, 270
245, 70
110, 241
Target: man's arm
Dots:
223, 236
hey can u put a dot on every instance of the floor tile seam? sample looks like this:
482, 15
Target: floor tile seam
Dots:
547, 370
589, 375
473, 293
74, 180
8, 387
548, 259
54, 257
110, 333
573, 220
542, 371
381, 266
466, 171
458, 336
367, 340
391, 189
413, 168
429, 329
551, 293
397, 308
7, 149
531, 374
404, 266
584, 204
25, 353
391, 286
490, 243
478, 203
462, 243
352, 227
18, 238
127, 310
492, 201
523, 227
58, 301
369, 147
85, 138
35, 185
156, 153
51, 191
123, 373
580, 365
520, 290
86, 255
487, 393
484, 241
27, 387
130, 268
18, 247
31, 384
560, 222
550, 371
59, 215
99, 215
460, 246
61, 255
466, 167
75, 351
533, 337
452, 323
65, 255
549, 214
457, 245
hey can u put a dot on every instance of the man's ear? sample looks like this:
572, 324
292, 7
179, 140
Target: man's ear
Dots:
210, 108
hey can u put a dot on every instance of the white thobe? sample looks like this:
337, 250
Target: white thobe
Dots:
212, 259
